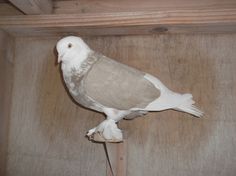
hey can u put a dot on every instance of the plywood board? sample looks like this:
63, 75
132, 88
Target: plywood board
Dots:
47, 129
98, 6
6, 79
6, 9
33, 7
174, 143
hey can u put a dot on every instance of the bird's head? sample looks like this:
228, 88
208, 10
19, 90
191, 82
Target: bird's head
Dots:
70, 48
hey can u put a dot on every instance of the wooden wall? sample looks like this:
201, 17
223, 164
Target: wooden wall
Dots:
46, 130
6, 79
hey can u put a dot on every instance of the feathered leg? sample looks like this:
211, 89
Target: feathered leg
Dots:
108, 131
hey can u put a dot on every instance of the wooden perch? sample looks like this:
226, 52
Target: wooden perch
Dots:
32, 7
117, 153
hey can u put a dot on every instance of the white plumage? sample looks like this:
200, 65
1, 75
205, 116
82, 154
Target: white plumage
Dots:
118, 91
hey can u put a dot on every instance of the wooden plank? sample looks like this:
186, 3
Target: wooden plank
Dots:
47, 129
175, 143
7, 9
6, 76
100, 6
176, 21
33, 7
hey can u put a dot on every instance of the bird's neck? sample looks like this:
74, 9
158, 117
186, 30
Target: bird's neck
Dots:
75, 62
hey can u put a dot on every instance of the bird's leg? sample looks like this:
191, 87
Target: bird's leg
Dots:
108, 131
91, 131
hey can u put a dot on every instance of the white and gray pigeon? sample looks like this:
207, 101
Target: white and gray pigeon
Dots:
117, 90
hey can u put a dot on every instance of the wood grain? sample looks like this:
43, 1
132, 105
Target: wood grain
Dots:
173, 143
120, 23
6, 79
100, 6
33, 7
117, 153
7, 9
47, 129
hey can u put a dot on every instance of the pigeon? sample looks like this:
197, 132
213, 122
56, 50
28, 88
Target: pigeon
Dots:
120, 92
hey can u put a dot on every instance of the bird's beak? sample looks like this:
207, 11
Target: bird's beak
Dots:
59, 59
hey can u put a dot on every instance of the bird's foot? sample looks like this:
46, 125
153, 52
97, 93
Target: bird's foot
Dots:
107, 131
91, 131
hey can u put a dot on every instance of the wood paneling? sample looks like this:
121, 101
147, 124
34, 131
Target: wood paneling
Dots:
174, 143
7, 9
47, 129
6, 78
42, 131
33, 7
119, 23
99, 6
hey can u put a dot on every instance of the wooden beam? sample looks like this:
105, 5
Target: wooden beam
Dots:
7, 9
173, 21
32, 7
100, 6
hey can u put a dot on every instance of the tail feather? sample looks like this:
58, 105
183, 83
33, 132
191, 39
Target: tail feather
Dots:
171, 100
187, 106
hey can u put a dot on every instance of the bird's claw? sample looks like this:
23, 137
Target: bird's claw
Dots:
98, 137
97, 134
91, 131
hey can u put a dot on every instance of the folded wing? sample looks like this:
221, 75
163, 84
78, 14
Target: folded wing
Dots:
118, 86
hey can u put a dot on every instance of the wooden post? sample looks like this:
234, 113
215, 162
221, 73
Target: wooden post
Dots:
117, 153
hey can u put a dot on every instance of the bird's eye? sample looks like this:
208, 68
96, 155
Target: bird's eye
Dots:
69, 45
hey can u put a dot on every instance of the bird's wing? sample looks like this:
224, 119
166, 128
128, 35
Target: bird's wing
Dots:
119, 86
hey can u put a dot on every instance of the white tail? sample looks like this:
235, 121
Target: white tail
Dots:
187, 106
171, 100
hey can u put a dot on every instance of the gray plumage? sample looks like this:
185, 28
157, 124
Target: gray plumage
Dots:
105, 82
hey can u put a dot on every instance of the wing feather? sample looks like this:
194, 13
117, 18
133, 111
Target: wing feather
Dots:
119, 86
